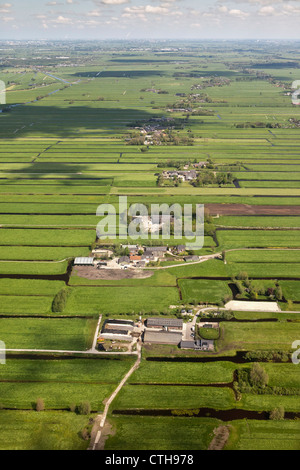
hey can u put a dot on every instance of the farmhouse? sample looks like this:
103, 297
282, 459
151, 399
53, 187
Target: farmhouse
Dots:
155, 251
135, 258
133, 249
123, 260
200, 165
184, 175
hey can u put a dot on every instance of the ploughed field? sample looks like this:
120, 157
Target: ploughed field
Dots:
64, 150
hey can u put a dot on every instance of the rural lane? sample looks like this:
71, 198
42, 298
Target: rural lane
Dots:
103, 416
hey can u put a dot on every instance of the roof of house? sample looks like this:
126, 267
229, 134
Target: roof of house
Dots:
120, 322
84, 261
181, 247
135, 258
108, 331
155, 248
188, 344
141, 263
165, 322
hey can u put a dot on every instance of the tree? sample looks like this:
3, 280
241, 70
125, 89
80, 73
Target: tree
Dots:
84, 408
242, 276
73, 407
277, 414
40, 405
258, 376
278, 293
59, 301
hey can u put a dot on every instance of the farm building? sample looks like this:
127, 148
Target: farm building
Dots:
153, 249
102, 252
189, 259
170, 323
84, 261
162, 337
129, 324
190, 344
117, 330
133, 249
200, 345
116, 335
135, 258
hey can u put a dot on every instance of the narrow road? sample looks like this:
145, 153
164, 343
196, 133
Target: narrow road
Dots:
63, 351
202, 260
93, 348
103, 416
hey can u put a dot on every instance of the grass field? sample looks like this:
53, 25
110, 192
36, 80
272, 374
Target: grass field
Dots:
203, 290
249, 336
161, 433
48, 333
48, 430
59, 383
263, 435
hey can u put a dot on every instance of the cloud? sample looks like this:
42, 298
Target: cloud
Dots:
62, 20
114, 2
267, 11
238, 13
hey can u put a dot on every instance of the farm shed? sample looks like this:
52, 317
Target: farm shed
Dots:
162, 337
189, 259
84, 261
172, 323
118, 325
190, 345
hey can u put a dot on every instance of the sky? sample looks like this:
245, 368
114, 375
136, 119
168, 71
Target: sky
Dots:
150, 19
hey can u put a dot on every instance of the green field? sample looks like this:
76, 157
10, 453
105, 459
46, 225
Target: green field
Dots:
203, 290
48, 333
59, 383
264, 435
42, 431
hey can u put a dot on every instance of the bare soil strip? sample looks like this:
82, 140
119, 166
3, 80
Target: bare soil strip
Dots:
92, 273
221, 435
245, 209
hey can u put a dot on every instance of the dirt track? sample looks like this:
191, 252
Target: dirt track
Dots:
245, 209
